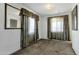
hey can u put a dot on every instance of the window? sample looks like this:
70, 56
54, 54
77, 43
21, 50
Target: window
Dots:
57, 24
31, 25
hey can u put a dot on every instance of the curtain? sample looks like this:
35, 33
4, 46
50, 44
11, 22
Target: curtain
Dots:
49, 32
66, 28
58, 28
29, 25
36, 32
24, 28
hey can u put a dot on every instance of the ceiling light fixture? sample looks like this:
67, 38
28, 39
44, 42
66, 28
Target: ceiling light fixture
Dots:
48, 6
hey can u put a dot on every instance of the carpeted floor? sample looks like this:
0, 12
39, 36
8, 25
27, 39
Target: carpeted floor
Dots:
48, 47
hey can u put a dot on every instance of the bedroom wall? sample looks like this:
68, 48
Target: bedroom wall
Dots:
43, 25
74, 34
9, 38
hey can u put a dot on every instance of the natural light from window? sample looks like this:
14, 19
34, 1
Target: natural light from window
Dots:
57, 24
31, 25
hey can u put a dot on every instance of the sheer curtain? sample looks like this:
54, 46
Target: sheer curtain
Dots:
57, 24
31, 25
58, 28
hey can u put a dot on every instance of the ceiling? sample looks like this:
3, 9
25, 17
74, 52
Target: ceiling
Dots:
49, 8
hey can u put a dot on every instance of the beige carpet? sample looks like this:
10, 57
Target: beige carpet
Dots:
48, 47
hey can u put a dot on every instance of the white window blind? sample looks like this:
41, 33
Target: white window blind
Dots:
57, 24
